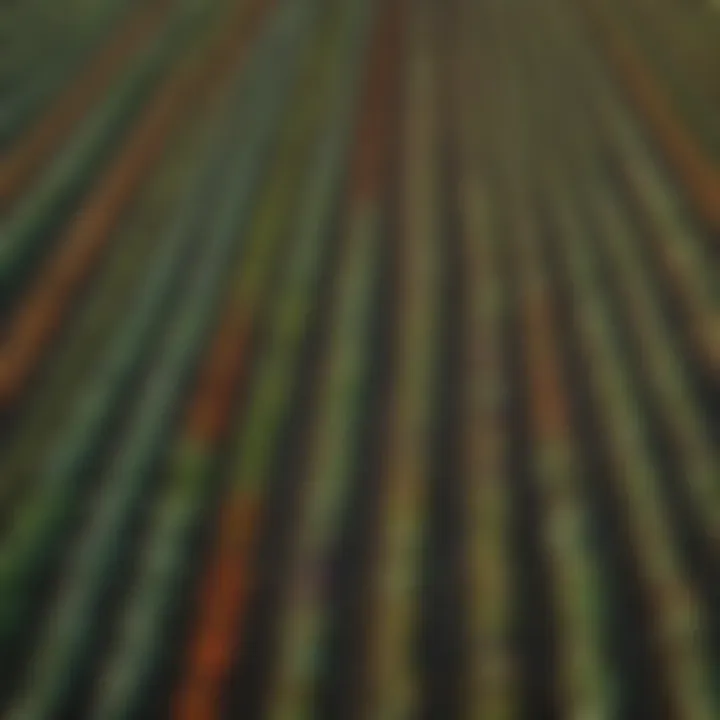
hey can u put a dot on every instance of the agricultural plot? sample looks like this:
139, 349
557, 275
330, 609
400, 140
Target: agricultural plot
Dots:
359, 359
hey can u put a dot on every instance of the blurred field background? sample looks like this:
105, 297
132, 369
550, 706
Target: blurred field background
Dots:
359, 359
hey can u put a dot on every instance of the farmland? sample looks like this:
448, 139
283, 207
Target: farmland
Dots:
359, 358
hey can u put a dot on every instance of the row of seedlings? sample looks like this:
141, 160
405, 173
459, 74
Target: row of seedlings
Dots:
46, 48
679, 47
305, 617
65, 643
30, 228
43, 413
221, 626
493, 687
39, 315
584, 674
33, 540
42, 136
676, 620
685, 429
676, 242
392, 657
190, 467
695, 168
